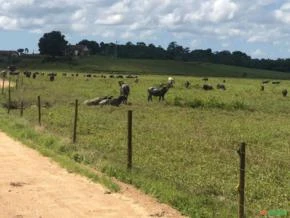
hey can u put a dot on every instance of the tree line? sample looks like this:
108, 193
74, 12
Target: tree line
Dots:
54, 44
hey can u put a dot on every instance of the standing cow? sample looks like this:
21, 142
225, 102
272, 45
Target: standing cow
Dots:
124, 90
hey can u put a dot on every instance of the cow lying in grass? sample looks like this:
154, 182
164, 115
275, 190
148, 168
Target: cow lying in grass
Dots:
96, 101
107, 100
207, 87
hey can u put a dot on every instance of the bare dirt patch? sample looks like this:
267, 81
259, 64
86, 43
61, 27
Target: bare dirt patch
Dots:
33, 186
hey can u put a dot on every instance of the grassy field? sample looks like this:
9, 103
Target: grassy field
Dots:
184, 149
97, 64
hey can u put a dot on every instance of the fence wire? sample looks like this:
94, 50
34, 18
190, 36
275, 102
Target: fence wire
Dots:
180, 183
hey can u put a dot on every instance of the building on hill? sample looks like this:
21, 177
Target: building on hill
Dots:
9, 53
77, 50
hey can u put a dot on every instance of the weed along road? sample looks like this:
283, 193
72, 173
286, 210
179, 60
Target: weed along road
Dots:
33, 186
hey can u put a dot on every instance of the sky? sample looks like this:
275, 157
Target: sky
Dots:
259, 28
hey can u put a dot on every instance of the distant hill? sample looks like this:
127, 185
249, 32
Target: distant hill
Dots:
104, 64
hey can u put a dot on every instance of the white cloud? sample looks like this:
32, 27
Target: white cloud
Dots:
108, 34
169, 19
8, 23
258, 53
110, 19
283, 14
220, 10
213, 11
194, 43
225, 45
127, 35
252, 22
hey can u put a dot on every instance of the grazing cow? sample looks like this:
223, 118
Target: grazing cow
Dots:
221, 86
262, 88
12, 68
27, 74
124, 90
131, 76
51, 76
284, 92
160, 92
207, 87
265, 81
170, 82
275, 82
14, 73
187, 84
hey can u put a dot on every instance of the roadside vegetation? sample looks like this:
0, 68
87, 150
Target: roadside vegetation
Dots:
184, 149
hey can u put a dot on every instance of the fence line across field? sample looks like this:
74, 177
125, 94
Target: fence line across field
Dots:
130, 153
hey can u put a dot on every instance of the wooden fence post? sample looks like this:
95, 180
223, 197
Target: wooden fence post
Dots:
75, 122
21, 80
129, 164
3, 81
21, 109
242, 154
9, 95
16, 83
39, 110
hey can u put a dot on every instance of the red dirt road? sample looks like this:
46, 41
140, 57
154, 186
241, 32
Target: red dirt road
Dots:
33, 186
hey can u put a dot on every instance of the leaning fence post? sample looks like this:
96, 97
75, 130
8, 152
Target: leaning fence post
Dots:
242, 154
9, 96
75, 122
129, 165
39, 110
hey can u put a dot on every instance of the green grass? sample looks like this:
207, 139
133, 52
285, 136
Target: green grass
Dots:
97, 64
51, 146
184, 148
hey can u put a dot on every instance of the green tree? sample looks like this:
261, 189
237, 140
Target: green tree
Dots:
93, 46
52, 43
176, 52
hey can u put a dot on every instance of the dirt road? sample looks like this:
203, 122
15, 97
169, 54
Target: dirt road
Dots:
33, 186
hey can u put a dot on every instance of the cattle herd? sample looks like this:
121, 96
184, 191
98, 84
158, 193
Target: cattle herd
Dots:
157, 91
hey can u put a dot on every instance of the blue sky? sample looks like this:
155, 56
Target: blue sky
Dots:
259, 28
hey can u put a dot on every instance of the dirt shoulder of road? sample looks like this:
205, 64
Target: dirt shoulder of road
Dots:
32, 185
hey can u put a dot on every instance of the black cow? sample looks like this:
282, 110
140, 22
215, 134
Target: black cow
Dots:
207, 87
160, 92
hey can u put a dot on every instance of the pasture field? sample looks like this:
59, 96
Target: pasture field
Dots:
95, 64
184, 149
